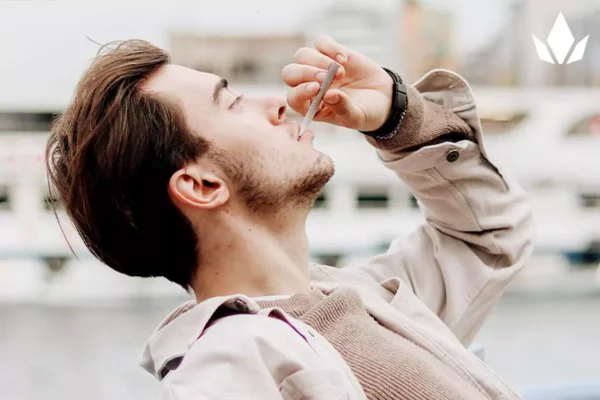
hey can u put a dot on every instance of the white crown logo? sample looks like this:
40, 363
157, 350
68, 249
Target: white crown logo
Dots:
560, 41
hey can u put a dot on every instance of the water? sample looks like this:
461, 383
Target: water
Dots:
73, 353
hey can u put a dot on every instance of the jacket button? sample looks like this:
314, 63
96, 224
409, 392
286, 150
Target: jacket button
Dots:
241, 305
452, 156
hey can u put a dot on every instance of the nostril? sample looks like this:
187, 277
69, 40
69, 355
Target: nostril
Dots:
281, 112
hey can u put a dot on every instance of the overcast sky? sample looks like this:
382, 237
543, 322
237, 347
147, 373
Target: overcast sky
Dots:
43, 45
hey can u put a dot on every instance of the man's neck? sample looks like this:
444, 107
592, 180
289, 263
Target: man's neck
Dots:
252, 258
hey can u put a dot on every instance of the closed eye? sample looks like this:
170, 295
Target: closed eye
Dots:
236, 102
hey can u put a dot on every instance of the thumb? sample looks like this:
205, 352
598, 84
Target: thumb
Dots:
340, 103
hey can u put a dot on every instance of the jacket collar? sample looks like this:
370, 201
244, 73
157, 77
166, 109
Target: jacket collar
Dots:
183, 326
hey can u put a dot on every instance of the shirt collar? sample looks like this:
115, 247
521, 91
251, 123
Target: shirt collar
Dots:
184, 325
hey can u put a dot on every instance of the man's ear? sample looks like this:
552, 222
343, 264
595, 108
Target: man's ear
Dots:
196, 187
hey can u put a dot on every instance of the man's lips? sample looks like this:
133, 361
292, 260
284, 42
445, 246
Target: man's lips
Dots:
295, 130
308, 134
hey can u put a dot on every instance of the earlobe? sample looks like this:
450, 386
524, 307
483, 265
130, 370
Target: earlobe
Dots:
191, 187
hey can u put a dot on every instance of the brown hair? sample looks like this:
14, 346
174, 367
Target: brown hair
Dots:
110, 157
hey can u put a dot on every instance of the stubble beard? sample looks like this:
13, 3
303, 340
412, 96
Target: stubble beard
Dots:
268, 197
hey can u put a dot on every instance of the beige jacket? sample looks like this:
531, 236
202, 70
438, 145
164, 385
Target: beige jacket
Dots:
436, 287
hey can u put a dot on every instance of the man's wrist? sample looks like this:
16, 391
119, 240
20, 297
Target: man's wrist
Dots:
425, 123
397, 111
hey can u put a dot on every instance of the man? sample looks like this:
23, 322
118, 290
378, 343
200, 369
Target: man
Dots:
166, 171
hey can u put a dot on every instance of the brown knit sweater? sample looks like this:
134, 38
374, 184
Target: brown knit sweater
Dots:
388, 366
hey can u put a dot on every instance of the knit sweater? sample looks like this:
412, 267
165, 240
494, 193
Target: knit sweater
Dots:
387, 365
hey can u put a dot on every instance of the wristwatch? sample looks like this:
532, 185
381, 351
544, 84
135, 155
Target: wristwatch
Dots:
398, 110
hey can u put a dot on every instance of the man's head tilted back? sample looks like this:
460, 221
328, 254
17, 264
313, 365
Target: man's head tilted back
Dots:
150, 156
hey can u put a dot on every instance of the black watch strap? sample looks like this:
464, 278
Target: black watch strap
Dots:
398, 109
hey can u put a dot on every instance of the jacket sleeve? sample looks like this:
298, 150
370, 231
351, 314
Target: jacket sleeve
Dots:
478, 230
249, 357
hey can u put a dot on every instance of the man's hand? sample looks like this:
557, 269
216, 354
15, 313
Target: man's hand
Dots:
360, 95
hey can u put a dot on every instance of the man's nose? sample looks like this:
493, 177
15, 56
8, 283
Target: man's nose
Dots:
276, 108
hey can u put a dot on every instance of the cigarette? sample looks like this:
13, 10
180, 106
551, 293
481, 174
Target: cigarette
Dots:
312, 110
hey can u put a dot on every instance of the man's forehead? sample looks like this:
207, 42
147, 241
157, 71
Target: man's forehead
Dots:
179, 81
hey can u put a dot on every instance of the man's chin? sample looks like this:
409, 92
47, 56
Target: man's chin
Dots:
316, 179
326, 161
329, 164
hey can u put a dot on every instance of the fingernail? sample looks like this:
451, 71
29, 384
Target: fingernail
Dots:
334, 99
312, 87
341, 58
321, 75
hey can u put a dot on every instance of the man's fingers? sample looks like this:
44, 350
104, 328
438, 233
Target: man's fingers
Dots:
295, 74
336, 103
339, 102
308, 56
332, 49
299, 97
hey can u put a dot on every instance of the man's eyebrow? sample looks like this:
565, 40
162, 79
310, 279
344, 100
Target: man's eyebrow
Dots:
222, 84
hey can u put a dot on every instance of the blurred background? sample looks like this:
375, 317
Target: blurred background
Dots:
72, 328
